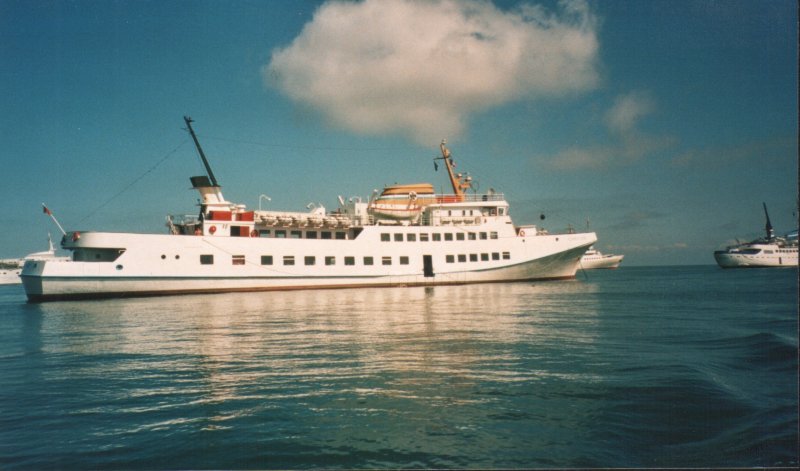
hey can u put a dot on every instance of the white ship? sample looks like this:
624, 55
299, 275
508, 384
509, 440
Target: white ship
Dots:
10, 274
766, 252
594, 259
452, 239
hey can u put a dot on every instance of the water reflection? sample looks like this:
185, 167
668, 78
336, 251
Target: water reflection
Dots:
403, 369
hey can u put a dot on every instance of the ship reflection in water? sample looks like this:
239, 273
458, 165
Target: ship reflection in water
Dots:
300, 343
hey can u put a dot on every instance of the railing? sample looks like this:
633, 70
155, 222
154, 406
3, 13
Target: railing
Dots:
470, 198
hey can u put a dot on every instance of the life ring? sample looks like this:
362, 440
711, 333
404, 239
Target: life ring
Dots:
254, 233
522, 233
212, 230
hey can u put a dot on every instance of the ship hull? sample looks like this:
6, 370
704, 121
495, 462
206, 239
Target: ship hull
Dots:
739, 260
609, 262
152, 265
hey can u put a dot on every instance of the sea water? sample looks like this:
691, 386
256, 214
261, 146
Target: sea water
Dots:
637, 367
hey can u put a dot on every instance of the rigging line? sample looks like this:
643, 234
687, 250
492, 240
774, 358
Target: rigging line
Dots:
148, 171
301, 147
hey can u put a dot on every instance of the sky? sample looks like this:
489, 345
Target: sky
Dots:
661, 125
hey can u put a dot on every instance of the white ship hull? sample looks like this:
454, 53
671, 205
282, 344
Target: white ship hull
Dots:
596, 262
10, 277
166, 264
733, 259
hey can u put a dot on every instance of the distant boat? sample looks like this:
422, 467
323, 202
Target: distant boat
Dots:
770, 251
594, 259
10, 275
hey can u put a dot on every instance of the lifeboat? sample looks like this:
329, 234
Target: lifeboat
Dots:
402, 202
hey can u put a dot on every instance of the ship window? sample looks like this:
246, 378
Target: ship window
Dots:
206, 260
237, 259
506, 256
501, 211
280, 234
288, 259
349, 261
341, 235
411, 237
493, 235
460, 236
495, 255
398, 237
768, 251
266, 259
437, 237
330, 260
264, 233
403, 260
385, 237
450, 258
484, 257
448, 236
310, 260
462, 258
311, 234
296, 234
326, 235
483, 236
386, 260
473, 257
423, 237
472, 236
368, 261
449, 213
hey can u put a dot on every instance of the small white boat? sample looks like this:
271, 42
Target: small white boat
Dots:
594, 259
9, 275
772, 251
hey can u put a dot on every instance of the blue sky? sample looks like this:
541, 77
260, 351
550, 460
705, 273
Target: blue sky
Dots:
666, 124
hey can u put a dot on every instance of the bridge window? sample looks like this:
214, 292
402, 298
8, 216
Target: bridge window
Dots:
206, 260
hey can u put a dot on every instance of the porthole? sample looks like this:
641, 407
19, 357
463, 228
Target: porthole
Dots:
163, 257
119, 267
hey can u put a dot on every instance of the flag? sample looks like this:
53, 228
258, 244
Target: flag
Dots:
47, 211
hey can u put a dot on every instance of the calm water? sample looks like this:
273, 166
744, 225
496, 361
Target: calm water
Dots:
686, 366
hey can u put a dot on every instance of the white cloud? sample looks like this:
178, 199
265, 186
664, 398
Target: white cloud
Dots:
422, 67
626, 143
627, 110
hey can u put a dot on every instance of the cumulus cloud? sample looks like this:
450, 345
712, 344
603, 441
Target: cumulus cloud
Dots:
422, 68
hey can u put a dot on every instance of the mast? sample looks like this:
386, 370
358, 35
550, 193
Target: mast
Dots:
200, 150
459, 184
770, 232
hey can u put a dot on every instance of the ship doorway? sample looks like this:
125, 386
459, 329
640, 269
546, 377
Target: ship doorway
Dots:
427, 266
